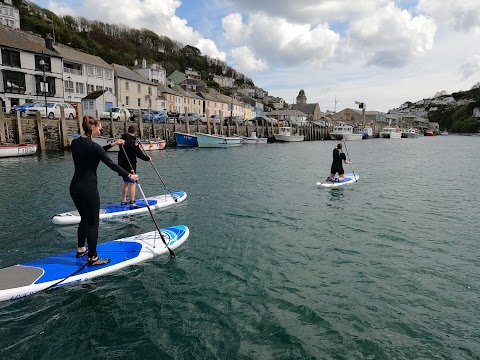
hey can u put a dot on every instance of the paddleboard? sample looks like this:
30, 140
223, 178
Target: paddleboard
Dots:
115, 210
349, 178
31, 277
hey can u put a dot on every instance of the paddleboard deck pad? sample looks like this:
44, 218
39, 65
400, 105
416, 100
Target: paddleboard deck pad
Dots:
349, 178
115, 210
31, 277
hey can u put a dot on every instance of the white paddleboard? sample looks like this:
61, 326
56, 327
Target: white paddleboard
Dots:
115, 210
25, 279
349, 179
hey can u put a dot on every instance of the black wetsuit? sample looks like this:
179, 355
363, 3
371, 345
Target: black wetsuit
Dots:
133, 151
83, 188
337, 166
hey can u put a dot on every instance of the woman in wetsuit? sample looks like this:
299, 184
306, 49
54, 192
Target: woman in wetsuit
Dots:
83, 187
337, 167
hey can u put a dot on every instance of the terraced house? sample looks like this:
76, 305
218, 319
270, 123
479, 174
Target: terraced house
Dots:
132, 89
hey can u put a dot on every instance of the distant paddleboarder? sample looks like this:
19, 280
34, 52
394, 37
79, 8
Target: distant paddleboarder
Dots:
337, 167
128, 161
83, 187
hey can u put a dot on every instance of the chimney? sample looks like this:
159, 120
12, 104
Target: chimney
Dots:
49, 42
144, 64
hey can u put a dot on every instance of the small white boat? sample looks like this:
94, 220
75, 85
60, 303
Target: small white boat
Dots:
253, 139
354, 136
217, 141
9, 150
391, 133
148, 145
340, 131
285, 135
410, 134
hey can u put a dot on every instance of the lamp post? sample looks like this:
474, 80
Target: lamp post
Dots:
69, 89
44, 84
361, 105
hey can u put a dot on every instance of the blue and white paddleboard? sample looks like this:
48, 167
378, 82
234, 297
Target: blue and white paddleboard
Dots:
34, 276
349, 178
115, 210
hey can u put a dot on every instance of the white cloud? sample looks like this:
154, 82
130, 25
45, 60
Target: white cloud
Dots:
390, 36
470, 67
461, 15
278, 41
246, 62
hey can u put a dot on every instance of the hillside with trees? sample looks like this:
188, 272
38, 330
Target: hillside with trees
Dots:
117, 43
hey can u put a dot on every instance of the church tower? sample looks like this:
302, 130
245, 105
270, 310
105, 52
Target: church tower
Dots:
301, 98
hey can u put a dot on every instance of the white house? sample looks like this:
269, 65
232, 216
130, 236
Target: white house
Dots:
9, 14
154, 72
96, 102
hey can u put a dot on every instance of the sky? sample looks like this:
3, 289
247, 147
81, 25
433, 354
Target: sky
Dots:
382, 53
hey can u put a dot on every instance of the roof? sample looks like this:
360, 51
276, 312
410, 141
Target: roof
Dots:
95, 95
126, 73
17, 39
186, 93
209, 97
288, 112
71, 54
305, 108
165, 89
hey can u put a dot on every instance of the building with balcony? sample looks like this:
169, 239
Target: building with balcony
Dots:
153, 72
9, 14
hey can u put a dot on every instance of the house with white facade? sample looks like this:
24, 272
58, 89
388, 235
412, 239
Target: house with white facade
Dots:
98, 101
84, 74
31, 70
153, 72
9, 14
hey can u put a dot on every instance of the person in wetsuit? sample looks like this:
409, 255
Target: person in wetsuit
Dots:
83, 188
337, 167
127, 159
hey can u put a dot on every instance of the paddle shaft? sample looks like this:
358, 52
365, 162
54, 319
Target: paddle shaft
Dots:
158, 174
354, 173
148, 206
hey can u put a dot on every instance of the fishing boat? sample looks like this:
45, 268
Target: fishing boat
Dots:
285, 135
367, 132
217, 141
183, 139
346, 132
9, 150
148, 145
390, 133
410, 133
253, 139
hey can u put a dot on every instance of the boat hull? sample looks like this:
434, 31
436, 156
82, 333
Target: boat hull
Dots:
350, 137
186, 140
217, 141
10, 150
148, 145
288, 138
252, 140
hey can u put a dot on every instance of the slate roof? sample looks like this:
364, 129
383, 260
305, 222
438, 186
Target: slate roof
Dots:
95, 95
16, 39
305, 108
166, 89
71, 54
126, 73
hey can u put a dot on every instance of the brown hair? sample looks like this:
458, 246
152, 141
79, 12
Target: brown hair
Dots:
131, 129
87, 122
339, 146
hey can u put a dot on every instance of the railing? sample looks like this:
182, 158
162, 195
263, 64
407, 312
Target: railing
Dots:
72, 71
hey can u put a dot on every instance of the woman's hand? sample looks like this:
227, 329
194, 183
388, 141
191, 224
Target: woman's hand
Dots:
118, 142
133, 177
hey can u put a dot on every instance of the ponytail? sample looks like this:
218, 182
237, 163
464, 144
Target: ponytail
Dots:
88, 121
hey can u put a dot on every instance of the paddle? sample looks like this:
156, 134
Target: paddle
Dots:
348, 156
172, 254
154, 168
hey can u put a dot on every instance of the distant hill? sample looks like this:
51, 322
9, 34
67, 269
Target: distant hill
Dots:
122, 45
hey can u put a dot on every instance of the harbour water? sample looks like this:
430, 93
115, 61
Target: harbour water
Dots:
274, 268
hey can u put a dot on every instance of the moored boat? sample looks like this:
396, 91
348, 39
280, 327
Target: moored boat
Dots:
410, 133
390, 133
339, 131
9, 150
148, 145
217, 141
184, 139
285, 135
253, 139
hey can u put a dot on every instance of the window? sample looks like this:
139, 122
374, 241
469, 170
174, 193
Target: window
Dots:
139, 88
91, 105
50, 90
14, 82
46, 59
127, 86
10, 58
90, 88
90, 70
127, 100
139, 102
99, 72
108, 74
68, 86
99, 88
79, 87
149, 90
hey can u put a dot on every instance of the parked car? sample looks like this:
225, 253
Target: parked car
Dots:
118, 114
133, 114
23, 108
156, 115
173, 114
53, 110
202, 119
215, 119
232, 120
264, 121
192, 118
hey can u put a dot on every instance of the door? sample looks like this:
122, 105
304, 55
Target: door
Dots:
108, 105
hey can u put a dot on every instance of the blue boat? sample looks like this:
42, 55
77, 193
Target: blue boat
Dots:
184, 139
